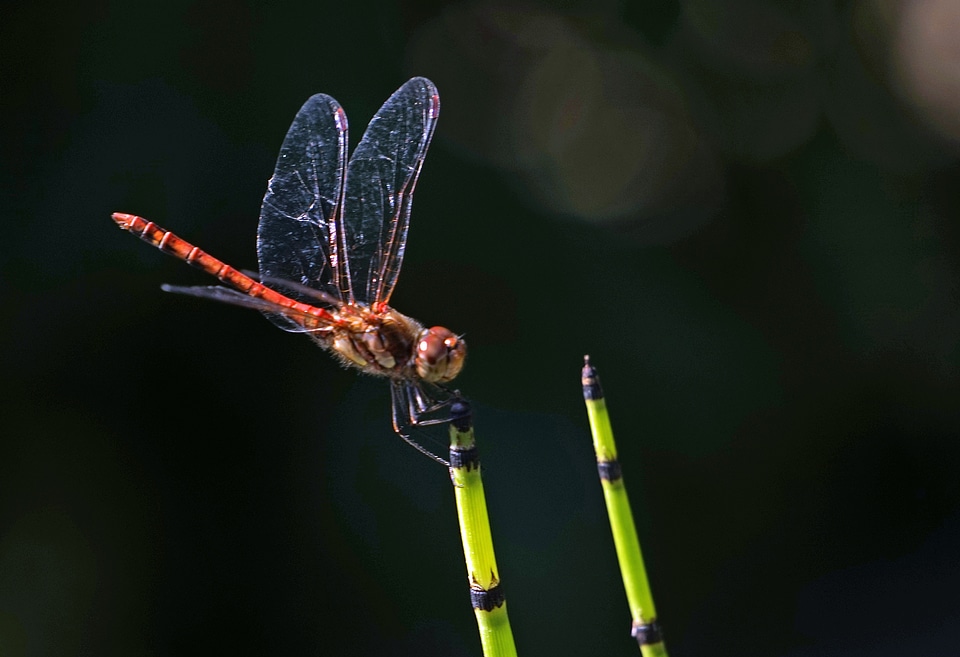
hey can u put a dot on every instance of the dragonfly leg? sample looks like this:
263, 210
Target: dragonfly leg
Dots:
427, 399
404, 418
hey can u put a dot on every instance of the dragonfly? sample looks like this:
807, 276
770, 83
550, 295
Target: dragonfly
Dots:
330, 243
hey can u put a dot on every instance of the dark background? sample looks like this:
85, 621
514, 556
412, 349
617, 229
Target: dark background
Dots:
745, 211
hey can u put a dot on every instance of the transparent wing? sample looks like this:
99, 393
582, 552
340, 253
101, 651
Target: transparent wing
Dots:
299, 237
380, 180
237, 298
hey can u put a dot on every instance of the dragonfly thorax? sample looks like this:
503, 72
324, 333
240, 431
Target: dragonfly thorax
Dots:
388, 343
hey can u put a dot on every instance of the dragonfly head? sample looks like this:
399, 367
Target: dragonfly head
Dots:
440, 355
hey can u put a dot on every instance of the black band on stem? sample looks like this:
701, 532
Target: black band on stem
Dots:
610, 470
487, 599
647, 633
468, 458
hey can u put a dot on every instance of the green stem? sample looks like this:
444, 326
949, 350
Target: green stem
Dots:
645, 626
486, 594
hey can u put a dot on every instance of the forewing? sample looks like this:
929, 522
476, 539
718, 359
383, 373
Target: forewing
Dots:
298, 239
380, 180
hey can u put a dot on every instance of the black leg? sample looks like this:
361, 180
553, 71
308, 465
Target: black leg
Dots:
405, 416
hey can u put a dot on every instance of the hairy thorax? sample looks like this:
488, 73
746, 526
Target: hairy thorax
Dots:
382, 344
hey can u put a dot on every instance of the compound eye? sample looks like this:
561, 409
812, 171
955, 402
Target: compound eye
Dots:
440, 355
432, 347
